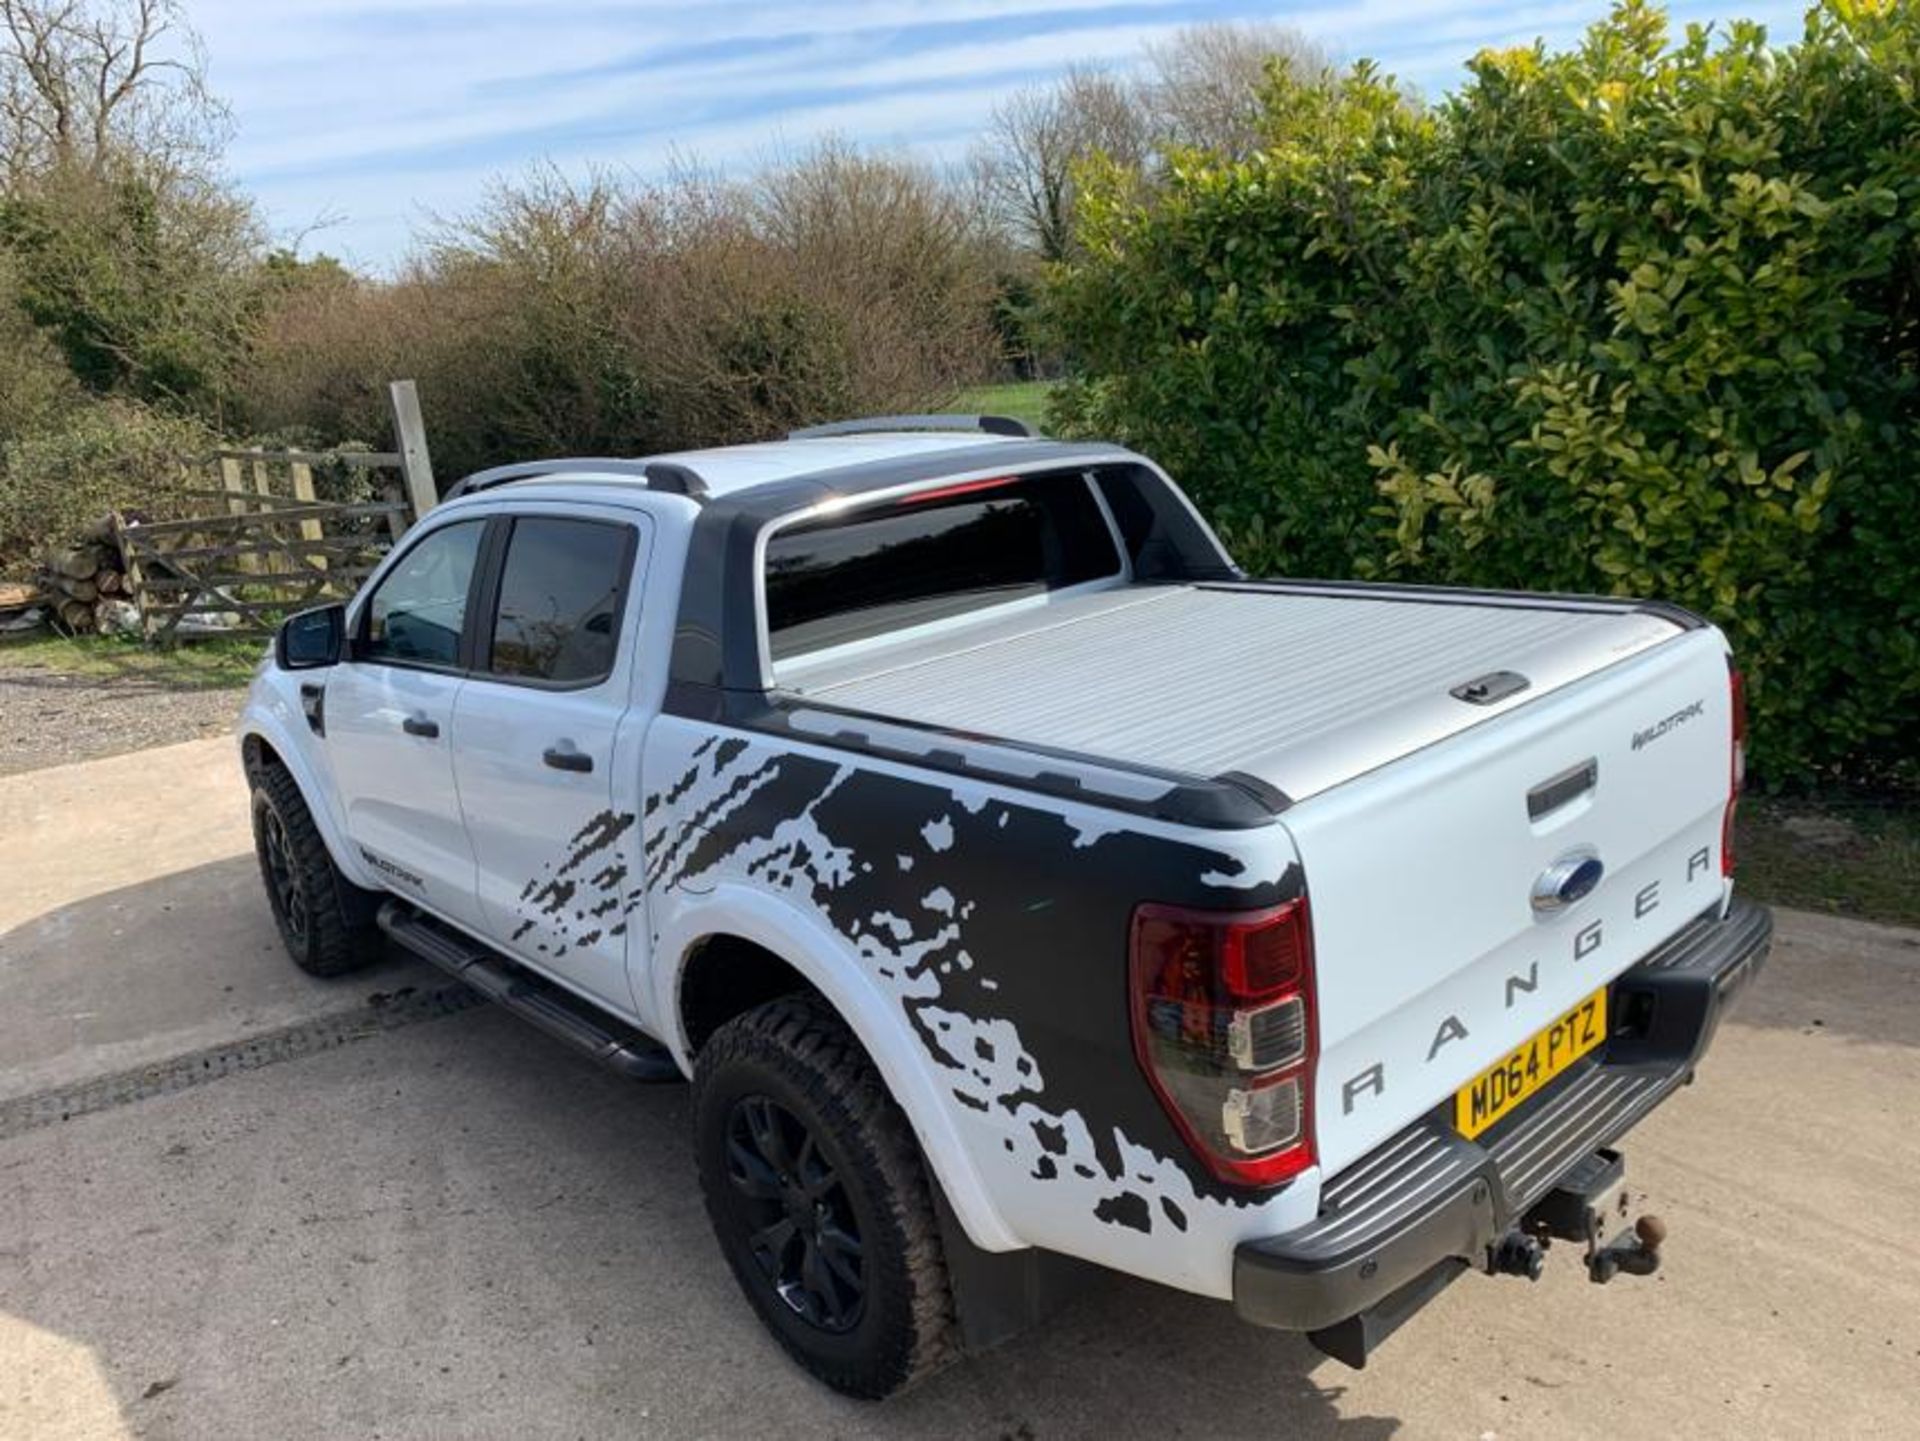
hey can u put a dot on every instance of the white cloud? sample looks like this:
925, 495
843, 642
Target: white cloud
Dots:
383, 110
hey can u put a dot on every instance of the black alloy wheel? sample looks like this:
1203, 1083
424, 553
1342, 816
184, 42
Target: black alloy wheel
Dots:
802, 1230
283, 886
326, 922
819, 1199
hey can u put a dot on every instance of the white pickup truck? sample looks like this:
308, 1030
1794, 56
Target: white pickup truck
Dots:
1022, 886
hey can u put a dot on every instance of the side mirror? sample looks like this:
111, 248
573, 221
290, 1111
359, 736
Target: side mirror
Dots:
311, 639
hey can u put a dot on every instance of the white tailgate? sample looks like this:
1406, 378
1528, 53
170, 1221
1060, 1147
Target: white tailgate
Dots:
1419, 879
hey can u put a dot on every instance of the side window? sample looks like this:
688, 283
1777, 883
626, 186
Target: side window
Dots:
416, 614
560, 592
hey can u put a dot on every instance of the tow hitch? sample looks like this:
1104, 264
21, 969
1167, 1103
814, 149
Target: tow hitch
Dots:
1588, 1207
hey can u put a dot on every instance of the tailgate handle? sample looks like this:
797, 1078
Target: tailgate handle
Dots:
1495, 685
1551, 794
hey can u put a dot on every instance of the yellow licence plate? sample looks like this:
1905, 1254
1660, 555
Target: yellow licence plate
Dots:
1500, 1089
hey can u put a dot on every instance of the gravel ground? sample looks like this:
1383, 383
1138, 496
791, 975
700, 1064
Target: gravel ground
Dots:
50, 719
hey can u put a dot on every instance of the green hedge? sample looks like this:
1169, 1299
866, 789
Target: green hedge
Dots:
1637, 318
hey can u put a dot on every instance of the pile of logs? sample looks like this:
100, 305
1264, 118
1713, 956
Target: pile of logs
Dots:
87, 588
22, 608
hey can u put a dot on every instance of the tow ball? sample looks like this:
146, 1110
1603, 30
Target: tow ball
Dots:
1589, 1207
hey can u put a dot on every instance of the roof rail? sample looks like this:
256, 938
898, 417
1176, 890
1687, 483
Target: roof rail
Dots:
664, 476
675, 479
989, 424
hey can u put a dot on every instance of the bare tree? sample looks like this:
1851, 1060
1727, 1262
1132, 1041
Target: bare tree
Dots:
860, 213
86, 81
1205, 83
1037, 137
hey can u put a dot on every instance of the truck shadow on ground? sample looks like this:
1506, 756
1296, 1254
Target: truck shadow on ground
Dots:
133, 975
460, 1229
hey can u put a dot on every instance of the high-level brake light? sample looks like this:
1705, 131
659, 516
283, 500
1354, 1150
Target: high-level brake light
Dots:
964, 487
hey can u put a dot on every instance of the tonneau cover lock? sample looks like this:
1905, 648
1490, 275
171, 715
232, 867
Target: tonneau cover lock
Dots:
1495, 685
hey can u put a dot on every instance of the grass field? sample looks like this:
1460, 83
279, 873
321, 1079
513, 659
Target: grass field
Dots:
1022, 399
211, 664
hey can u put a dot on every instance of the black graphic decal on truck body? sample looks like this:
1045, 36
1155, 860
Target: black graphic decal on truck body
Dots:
1000, 927
566, 902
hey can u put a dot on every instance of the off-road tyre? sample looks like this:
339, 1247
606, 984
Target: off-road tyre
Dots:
325, 921
798, 1055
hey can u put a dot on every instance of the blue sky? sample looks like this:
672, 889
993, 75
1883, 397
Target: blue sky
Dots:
377, 115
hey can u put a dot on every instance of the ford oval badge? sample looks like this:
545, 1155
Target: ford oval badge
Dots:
1569, 880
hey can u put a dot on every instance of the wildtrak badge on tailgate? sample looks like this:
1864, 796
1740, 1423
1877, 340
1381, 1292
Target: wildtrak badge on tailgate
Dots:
1679, 718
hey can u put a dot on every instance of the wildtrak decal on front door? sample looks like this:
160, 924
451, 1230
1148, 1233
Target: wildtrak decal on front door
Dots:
391, 871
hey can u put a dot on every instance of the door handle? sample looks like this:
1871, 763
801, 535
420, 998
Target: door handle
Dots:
568, 759
419, 725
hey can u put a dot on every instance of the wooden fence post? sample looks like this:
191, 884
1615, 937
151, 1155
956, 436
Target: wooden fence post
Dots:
236, 485
257, 552
410, 439
263, 487
310, 530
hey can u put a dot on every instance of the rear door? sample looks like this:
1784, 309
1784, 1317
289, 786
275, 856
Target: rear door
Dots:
390, 710
540, 724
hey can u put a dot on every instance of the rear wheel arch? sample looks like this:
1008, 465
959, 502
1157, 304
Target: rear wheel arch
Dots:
818, 1194
723, 976
781, 958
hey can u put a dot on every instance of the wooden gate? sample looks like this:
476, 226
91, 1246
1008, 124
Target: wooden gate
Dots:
268, 545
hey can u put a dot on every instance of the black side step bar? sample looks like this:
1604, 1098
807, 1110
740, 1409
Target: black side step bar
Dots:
559, 1013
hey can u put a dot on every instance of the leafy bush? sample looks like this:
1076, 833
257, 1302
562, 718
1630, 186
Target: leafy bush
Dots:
107, 455
1636, 318
36, 387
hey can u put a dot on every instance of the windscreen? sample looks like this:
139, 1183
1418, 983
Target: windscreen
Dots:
938, 554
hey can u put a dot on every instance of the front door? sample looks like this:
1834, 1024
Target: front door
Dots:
541, 721
390, 717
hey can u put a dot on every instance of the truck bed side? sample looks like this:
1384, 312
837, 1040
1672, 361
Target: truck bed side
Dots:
994, 925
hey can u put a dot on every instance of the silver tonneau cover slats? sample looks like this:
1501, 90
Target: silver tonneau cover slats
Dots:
1302, 690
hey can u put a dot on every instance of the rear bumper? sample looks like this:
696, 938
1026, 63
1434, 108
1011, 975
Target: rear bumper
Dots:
1402, 1222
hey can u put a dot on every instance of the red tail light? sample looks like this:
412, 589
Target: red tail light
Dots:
1223, 1026
1738, 779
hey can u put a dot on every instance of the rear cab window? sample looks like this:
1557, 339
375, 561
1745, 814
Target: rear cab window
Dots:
556, 618
934, 556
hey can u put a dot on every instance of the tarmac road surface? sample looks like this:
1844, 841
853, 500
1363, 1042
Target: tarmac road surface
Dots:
395, 1222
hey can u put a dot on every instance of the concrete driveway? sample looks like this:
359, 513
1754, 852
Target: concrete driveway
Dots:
278, 1207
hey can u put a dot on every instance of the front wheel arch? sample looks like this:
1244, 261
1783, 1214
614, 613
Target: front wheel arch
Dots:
264, 741
325, 921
